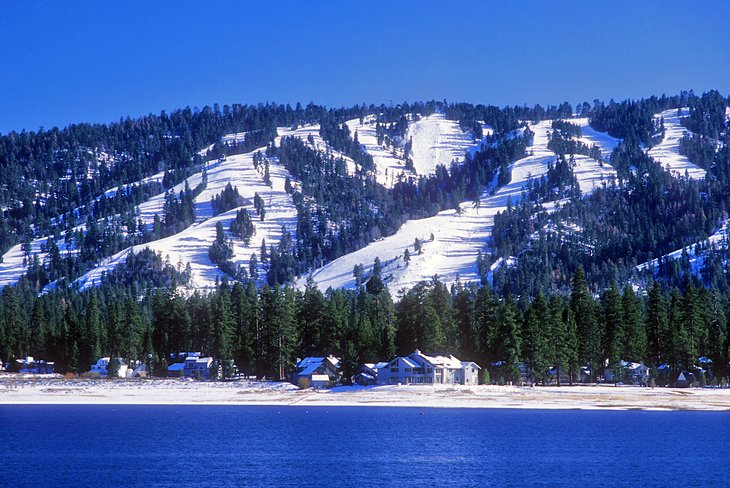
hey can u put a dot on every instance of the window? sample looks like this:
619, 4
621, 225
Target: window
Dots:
394, 370
408, 370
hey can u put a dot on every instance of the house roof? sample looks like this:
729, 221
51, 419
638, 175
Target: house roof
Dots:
176, 367
311, 368
445, 361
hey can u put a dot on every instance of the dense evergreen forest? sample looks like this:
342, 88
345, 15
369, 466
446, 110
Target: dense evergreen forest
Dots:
263, 330
568, 301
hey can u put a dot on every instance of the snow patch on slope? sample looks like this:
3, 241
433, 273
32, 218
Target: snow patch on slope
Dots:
437, 141
590, 136
667, 152
389, 163
718, 240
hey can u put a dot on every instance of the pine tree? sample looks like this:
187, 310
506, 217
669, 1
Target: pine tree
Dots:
309, 316
656, 326
613, 328
508, 341
635, 341
224, 325
584, 312
535, 339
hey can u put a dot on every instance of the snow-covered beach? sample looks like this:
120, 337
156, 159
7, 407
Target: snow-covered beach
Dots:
15, 390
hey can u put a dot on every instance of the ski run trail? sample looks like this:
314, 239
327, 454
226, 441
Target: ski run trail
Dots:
666, 152
457, 239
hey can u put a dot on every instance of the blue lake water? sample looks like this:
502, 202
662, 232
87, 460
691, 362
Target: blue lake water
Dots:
199, 446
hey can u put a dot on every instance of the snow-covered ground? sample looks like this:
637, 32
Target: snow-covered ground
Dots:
590, 136
389, 164
458, 238
191, 245
667, 152
15, 390
451, 254
438, 141
718, 240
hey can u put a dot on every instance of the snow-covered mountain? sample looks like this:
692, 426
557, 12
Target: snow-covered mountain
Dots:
449, 242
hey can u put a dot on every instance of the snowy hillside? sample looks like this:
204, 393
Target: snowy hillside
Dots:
667, 152
435, 139
457, 239
191, 245
389, 163
449, 241
591, 136
718, 240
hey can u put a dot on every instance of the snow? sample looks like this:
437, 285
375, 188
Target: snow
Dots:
718, 240
12, 267
590, 136
457, 238
388, 166
18, 389
667, 152
191, 245
437, 141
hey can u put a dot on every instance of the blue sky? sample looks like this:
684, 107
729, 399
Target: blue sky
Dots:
65, 62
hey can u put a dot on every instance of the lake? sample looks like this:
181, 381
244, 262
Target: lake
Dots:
198, 446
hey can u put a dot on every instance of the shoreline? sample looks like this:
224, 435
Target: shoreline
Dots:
58, 391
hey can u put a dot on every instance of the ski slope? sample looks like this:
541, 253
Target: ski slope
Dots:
718, 240
667, 152
389, 163
590, 136
438, 141
457, 239
191, 245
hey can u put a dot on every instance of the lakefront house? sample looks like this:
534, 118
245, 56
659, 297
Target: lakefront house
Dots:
420, 368
124, 370
193, 365
33, 366
317, 372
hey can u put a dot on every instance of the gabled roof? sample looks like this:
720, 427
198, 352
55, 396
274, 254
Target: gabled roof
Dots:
176, 367
449, 361
310, 369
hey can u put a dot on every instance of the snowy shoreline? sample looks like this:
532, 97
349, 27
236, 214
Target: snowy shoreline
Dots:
57, 391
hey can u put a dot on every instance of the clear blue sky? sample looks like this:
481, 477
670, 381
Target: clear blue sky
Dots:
65, 62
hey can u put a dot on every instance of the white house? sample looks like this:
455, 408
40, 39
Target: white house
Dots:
35, 366
419, 368
197, 367
102, 364
633, 373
